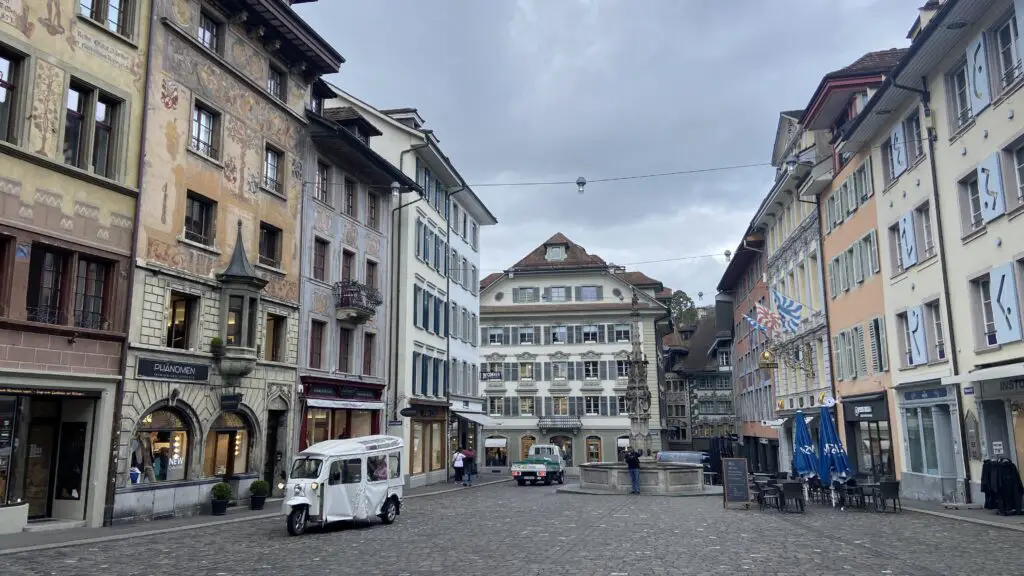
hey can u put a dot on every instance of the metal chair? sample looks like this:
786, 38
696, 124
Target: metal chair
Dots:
771, 496
889, 491
793, 492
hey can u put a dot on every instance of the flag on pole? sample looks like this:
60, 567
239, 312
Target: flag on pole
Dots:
767, 318
789, 311
754, 323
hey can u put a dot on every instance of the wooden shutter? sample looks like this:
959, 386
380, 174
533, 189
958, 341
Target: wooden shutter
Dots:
547, 295
572, 406
580, 374
506, 371
577, 293
580, 407
908, 241
838, 355
602, 370
873, 251
862, 363
600, 293
547, 371
515, 336
537, 367
873, 346
1004, 300
604, 406
547, 334
571, 370
613, 405
858, 262
579, 333
515, 371
883, 344
570, 334
979, 88
514, 400
506, 338
600, 333
515, 295
536, 334
549, 406
506, 405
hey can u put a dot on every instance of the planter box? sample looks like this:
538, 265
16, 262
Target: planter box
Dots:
13, 519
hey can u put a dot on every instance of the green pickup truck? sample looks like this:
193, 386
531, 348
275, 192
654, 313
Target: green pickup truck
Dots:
544, 463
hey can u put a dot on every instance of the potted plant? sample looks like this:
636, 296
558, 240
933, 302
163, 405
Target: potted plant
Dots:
258, 492
222, 494
217, 347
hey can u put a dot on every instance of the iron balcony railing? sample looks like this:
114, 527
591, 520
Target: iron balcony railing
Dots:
361, 297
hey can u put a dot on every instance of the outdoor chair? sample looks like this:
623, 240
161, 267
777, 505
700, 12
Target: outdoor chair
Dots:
816, 491
889, 491
771, 497
793, 492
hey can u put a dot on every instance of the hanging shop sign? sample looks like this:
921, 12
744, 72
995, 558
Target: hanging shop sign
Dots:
490, 376
230, 402
159, 369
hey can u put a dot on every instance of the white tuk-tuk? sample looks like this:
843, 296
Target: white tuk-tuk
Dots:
337, 480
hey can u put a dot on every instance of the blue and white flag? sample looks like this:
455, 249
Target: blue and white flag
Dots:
789, 312
754, 323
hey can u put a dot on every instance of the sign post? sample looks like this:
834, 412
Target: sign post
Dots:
735, 486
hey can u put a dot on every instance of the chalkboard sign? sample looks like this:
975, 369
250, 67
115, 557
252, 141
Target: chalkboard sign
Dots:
735, 487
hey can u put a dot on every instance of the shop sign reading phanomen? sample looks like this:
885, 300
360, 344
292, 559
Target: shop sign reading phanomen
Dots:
170, 370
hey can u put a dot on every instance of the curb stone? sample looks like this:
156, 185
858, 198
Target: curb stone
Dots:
159, 531
980, 521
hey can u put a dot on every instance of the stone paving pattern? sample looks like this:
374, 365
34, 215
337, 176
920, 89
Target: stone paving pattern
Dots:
530, 531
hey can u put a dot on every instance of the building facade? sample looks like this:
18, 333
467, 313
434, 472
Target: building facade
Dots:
556, 334
72, 97
211, 366
345, 272
793, 268
856, 300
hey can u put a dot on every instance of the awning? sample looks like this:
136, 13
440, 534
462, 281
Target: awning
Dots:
994, 373
495, 442
343, 404
622, 442
477, 417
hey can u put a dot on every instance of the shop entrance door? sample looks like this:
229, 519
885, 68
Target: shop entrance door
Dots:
275, 422
41, 455
1018, 440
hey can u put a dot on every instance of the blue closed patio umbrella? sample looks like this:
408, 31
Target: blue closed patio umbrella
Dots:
805, 461
834, 463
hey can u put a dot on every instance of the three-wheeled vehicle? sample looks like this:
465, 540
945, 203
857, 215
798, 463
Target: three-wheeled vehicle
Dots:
338, 480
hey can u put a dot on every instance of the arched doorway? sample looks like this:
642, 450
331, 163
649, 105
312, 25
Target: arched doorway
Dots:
565, 442
227, 445
524, 446
160, 448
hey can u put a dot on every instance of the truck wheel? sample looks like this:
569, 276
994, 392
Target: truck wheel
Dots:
547, 480
521, 482
561, 477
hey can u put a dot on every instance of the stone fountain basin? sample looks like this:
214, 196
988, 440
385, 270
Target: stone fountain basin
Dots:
662, 478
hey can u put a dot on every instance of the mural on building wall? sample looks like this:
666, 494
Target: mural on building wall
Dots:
248, 59
16, 13
183, 13
321, 220
321, 302
373, 245
107, 52
53, 21
351, 234
46, 104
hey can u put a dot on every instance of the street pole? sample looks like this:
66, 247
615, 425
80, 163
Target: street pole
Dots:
638, 395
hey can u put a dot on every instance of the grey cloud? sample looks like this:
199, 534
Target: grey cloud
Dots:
540, 90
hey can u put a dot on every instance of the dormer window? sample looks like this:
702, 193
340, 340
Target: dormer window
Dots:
555, 252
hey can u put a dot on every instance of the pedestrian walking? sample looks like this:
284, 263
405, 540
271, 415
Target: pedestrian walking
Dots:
633, 463
468, 466
459, 464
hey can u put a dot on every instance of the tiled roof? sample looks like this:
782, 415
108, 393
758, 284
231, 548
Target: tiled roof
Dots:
489, 279
638, 279
575, 256
699, 345
672, 340
877, 62
391, 111
664, 293
348, 114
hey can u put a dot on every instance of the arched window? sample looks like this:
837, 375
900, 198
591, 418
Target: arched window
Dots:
565, 443
525, 443
593, 449
495, 451
227, 445
160, 448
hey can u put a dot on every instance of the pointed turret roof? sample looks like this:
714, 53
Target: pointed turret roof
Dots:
239, 270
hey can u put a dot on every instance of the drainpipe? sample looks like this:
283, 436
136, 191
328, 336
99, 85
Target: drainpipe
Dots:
925, 101
447, 327
396, 291
115, 442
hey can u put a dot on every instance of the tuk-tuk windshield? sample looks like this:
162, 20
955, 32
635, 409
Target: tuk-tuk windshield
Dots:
306, 468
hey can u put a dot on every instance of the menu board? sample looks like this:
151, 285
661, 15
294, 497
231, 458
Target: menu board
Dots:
735, 486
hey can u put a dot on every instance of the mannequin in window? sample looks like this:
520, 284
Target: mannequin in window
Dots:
142, 458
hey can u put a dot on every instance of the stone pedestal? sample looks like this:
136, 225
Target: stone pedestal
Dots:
660, 478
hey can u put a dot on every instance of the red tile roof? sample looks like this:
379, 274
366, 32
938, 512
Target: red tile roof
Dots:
878, 62
489, 279
576, 256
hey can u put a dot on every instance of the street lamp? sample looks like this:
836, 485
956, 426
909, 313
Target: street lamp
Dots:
580, 183
396, 188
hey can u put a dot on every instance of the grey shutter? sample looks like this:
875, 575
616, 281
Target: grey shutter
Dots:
602, 370
483, 337
515, 405
572, 407
571, 370
505, 338
515, 336
600, 293
547, 334
506, 406
579, 334
580, 407
610, 328
549, 406
537, 367
547, 294
515, 371
577, 293
600, 333
604, 405
613, 405
547, 372
570, 334
536, 334
515, 295
579, 370
506, 370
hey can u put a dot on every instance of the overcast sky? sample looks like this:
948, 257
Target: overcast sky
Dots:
548, 90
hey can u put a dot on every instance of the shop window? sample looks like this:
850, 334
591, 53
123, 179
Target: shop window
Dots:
922, 441
496, 451
416, 452
526, 443
181, 320
437, 460
318, 425
376, 468
227, 446
160, 448
593, 449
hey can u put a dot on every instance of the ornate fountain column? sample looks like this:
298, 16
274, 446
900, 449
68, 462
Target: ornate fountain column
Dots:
638, 395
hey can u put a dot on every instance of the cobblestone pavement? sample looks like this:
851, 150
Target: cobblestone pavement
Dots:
503, 529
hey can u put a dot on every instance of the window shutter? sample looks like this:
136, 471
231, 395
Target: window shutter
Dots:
600, 333
862, 363
570, 334
600, 293
579, 371
838, 355
506, 406
415, 370
506, 371
571, 370
604, 406
873, 251
883, 344
858, 267
990, 188
416, 305
579, 334
547, 334
537, 367
869, 183
572, 406
536, 334
514, 400
515, 336
602, 370
483, 337
1004, 299
515, 295
515, 371
549, 405
908, 243
580, 407
873, 344
832, 278
977, 75
898, 150
547, 294
419, 238
841, 265
577, 293
547, 371
506, 337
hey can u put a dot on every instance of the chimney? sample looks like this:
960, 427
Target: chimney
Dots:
925, 15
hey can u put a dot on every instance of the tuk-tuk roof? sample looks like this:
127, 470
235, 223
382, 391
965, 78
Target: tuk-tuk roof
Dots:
353, 446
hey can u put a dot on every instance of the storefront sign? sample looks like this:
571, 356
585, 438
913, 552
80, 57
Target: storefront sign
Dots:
230, 402
490, 376
929, 394
867, 410
170, 370
1011, 386
45, 392
409, 412
968, 390
342, 391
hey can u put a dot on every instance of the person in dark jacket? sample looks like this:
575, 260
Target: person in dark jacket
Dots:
632, 459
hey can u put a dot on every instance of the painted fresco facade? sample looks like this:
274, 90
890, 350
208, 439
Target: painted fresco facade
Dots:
214, 340
72, 83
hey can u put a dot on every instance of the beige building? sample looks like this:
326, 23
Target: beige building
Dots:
72, 96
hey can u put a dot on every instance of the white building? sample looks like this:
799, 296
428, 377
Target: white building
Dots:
555, 331
427, 285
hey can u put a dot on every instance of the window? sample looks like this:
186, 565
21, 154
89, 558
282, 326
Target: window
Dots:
589, 293
906, 340
589, 334
79, 126
591, 405
495, 337
316, 344
114, 15
525, 295
622, 333
373, 211
959, 101
970, 205
559, 370
369, 355
163, 429
272, 173
496, 405
322, 188
895, 249
10, 72
526, 370
474, 236
559, 294
199, 219
74, 127
350, 197
559, 334
915, 140
623, 407
348, 262
209, 32
590, 369
201, 139
371, 274
621, 369
103, 138
45, 298
180, 320
320, 250
933, 316
270, 245
555, 253
275, 82
1018, 162
376, 468
986, 326
560, 405
923, 223
922, 441
878, 346
90, 294
344, 349
526, 336
1008, 55
526, 406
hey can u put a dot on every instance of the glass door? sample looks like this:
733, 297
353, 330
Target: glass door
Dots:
7, 427
39, 465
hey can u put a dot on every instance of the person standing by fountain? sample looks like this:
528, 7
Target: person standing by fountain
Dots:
632, 458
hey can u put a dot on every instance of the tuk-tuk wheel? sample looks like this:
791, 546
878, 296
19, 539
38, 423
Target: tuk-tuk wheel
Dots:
388, 511
297, 521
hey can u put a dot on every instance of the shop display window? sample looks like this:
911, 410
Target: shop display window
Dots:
565, 443
593, 449
227, 446
496, 455
436, 446
526, 443
416, 454
160, 448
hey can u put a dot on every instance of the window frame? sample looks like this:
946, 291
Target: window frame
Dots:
216, 44
91, 96
275, 341
16, 91
191, 324
322, 184
319, 269
317, 328
99, 14
273, 185
209, 236
195, 142
957, 98
279, 90
270, 233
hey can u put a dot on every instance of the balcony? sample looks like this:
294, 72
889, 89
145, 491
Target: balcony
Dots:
356, 302
559, 423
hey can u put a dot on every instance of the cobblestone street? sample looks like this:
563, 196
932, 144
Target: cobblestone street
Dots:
503, 529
